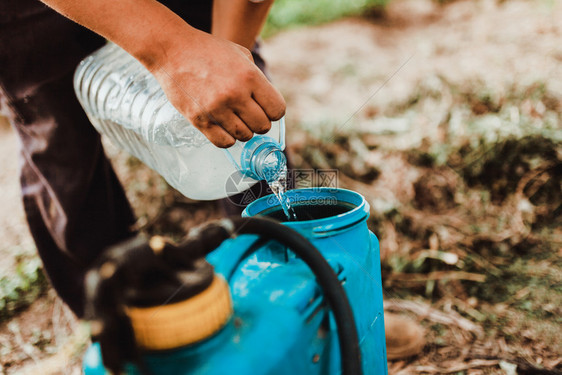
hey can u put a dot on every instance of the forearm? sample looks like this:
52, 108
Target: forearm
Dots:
239, 21
210, 80
144, 28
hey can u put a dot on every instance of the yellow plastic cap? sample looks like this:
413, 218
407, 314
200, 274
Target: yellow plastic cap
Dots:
183, 323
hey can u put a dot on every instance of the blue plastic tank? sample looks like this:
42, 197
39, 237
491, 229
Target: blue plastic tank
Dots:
281, 324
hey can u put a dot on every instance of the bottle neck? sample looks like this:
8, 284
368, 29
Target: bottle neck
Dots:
263, 159
269, 163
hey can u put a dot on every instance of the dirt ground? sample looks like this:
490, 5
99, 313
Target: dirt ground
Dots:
13, 228
422, 75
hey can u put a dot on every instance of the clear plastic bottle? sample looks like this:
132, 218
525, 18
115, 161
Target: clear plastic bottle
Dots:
124, 101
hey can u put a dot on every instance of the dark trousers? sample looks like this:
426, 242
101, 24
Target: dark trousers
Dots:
74, 203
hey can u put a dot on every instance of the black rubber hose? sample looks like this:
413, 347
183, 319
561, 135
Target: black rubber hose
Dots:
326, 277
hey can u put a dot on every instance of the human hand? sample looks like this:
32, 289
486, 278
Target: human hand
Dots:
211, 81
215, 84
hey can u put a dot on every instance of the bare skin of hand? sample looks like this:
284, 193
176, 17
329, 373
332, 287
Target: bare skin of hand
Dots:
219, 89
211, 81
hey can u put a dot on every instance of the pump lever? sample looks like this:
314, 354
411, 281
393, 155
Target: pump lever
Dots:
142, 273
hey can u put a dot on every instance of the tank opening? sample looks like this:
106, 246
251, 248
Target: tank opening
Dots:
310, 211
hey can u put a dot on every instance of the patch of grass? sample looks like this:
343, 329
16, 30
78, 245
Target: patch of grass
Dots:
290, 13
20, 290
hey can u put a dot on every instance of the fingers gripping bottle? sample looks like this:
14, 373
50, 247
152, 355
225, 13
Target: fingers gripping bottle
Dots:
124, 102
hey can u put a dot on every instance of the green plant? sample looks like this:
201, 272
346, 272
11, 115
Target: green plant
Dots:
20, 290
290, 13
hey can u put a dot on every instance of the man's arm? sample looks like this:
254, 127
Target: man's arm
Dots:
211, 81
239, 21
